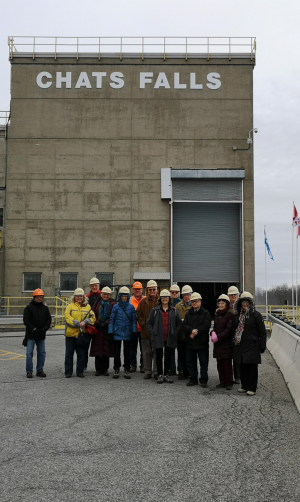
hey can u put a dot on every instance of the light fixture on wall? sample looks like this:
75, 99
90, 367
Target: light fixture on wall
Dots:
249, 141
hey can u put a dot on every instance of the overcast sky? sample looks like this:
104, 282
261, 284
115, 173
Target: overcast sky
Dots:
276, 24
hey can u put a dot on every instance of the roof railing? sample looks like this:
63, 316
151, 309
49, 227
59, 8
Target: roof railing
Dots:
133, 47
4, 118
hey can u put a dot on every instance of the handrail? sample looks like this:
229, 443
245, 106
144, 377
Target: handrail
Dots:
274, 319
132, 46
59, 307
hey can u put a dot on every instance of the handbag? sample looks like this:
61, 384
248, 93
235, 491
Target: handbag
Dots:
90, 329
83, 339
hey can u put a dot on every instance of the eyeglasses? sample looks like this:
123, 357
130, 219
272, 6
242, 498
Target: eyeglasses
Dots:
195, 301
174, 292
152, 289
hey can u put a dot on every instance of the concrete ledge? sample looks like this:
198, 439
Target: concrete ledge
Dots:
285, 349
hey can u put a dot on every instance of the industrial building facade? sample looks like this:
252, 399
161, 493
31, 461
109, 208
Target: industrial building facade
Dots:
124, 166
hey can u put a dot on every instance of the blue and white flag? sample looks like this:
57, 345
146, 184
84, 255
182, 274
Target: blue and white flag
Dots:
268, 247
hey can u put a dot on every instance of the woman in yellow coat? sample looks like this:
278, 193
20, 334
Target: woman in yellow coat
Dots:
77, 315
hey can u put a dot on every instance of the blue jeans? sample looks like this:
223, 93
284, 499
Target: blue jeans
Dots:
191, 364
41, 355
71, 347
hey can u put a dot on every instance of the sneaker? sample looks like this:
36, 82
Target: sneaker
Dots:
116, 373
168, 379
160, 379
229, 387
40, 374
191, 382
221, 386
132, 369
142, 369
29, 374
68, 376
147, 376
250, 393
242, 391
97, 373
127, 375
80, 375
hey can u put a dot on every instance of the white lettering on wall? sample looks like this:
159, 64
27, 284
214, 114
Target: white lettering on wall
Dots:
193, 84
83, 81
39, 79
145, 78
99, 75
162, 81
63, 80
177, 84
117, 81
213, 78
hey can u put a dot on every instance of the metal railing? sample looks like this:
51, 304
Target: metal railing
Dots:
4, 118
132, 47
274, 320
14, 306
287, 313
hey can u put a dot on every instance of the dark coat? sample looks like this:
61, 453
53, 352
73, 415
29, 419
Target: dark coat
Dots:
93, 297
122, 322
143, 311
254, 336
223, 327
201, 321
154, 326
37, 319
101, 346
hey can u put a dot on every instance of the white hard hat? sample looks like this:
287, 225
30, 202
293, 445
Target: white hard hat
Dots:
124, 290
186, 290
233, 290
224, 297
78, 292
174, 287
196, 296
94, 280
106, 289
245, 295
164, 292
151, 284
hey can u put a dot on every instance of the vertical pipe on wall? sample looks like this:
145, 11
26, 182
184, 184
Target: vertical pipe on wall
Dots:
243, 240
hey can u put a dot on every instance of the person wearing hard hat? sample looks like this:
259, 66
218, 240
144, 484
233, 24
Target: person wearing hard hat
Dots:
101, 348
78, 315
196, 326
233, 294
249, 341
137, 296
37, 319
122, 324
142, 313
221, 337
95, 292
183, 307
175, 290
163, 324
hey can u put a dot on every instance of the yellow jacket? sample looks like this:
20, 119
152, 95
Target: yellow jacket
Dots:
74, 314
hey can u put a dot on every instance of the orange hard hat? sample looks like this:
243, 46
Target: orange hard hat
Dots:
38, 292
137, 285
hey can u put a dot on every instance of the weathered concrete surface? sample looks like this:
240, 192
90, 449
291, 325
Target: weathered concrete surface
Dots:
135, 441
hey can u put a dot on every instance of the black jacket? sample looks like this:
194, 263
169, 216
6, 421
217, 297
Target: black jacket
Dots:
253, 339
37, 319
201, 321
154, 326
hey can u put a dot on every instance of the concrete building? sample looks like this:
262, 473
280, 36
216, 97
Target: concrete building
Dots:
121, 163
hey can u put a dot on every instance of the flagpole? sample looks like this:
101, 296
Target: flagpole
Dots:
266, 274
293, 265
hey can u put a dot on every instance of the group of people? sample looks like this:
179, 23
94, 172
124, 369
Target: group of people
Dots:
97, 325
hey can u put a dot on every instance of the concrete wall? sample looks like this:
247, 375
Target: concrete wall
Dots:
83, 184
2, 203
285, 349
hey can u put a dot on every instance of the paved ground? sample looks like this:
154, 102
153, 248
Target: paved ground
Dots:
99, 439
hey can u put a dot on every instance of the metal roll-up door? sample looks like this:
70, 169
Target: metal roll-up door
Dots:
206, 242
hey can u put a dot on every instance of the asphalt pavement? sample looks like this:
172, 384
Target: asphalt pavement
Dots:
100, 439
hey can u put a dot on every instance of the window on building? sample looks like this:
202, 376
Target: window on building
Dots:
68, 281
32, 281
1, 217
105, 278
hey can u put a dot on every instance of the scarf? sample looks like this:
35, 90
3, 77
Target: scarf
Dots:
103, 311
239, 331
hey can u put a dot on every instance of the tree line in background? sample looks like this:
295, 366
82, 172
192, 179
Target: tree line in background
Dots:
279, 295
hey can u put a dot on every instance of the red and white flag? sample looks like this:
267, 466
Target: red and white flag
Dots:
295, 216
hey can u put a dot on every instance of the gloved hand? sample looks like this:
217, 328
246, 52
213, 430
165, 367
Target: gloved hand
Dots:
214, 337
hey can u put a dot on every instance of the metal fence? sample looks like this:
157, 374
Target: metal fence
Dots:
132, 47
11, 306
